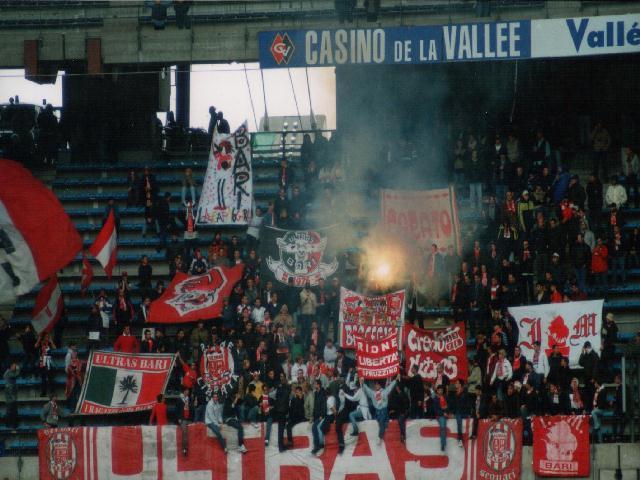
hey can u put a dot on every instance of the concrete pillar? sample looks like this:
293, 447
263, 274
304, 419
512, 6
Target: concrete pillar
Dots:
183, 93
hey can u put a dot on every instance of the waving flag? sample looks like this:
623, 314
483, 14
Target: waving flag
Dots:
105, 246
37, 238
195, 297
48, 308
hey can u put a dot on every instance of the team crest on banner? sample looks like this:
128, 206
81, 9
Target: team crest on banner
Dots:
62, 456
561, 446
195, 293
500, 449
218, 368
227, 192
301, 255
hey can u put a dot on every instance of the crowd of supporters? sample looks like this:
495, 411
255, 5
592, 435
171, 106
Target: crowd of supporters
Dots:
545, 239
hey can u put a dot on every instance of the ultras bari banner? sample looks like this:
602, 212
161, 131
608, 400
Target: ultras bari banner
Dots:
370, 317
305, 256
151, 452
123, 382
424, 216
189, 298
227, 192
568, 325
561, 447
426, 349
378, 359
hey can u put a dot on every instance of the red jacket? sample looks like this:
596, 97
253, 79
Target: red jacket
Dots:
159, 414
599, 259
127, 344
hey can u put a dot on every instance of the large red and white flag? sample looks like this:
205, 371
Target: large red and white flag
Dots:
105, 246
48, 308
561, 446
87, 274
195, 297
37, 238
568, 325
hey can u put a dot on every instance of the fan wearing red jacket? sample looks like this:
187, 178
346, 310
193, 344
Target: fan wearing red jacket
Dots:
159, 412
600, 266
126, 342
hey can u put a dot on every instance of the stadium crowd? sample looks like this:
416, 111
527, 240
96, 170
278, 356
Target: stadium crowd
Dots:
546, 238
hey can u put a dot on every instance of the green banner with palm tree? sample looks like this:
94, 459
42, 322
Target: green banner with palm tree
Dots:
123, 382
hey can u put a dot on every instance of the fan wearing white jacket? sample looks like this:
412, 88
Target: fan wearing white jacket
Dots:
502, 373
360, 413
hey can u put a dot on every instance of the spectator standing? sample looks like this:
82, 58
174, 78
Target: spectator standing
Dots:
618, 253
133, 183
45, 345
475, 175
600, 141
580, 254
459, 407
11, 395
308, 306
48, 135
600, 266
126, 342
50, 414
159, 412
589, 361
399, 409
190, 233
184, 412
609, 334
188, 187
380, 401
630, 169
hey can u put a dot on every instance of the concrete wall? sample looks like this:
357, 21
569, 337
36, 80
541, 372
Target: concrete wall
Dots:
606, 462
124, 41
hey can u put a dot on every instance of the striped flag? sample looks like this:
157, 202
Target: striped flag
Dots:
105, 246
48, 308
37, 238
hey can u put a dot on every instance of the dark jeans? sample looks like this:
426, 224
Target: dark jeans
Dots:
402, 424
600, 283
46, 378
290, 424
231, 422
618, 268
200, 412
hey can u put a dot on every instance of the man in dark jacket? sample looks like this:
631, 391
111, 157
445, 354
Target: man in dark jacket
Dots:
576, 193
459, 407
281, 408
416, 392
581, 261
399, 408
296, 413
589, 362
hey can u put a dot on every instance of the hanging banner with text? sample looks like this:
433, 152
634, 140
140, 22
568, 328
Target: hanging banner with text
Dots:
426, 349
151, 452
561, 446
123, 382
227, 192
370, 317
504, 40
378, 359
568, 325
423, 216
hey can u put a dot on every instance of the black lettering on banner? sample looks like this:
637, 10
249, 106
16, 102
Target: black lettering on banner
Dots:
221, 183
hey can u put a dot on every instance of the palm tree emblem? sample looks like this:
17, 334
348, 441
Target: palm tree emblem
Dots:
128, 385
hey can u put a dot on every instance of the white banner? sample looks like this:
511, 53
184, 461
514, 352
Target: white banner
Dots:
227, 193
568, 325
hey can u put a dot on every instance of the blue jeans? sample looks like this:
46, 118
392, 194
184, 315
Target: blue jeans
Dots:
501, 191
596, 413
382, 417
192, 192
145, 226
354, 417
267, 435
319, 428
200, 412
581, 278
231, 422
248, 414
459, 418
442, 423
475, 195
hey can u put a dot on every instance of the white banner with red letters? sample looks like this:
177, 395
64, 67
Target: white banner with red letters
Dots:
561, 446
424, 216
427, 349
378, 359
568, 325
370, 317
151, 452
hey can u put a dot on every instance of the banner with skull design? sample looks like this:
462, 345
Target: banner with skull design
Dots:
227, 192
561, 446
195, 297
305, 256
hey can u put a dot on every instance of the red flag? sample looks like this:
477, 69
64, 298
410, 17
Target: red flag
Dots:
561, 446
36, 234
377, 359
105, 246
48, 307
87, 274
198, 297
498, 449
427, 349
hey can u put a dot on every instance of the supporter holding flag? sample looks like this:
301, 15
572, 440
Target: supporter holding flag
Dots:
380, 400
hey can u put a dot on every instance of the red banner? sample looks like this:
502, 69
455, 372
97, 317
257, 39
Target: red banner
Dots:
96, 453
498, 450
378, 359
370, 317
427, 349
561, 446
195, 297
425, 216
